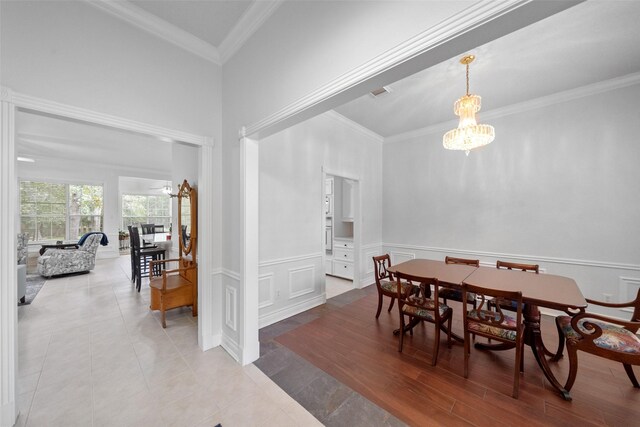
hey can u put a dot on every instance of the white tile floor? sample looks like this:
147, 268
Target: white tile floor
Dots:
336, 286
92, 354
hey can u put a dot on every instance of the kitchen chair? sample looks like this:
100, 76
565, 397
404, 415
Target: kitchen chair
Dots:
140, 257
148, 228
419, 307
456, 294
494, 324
603, 336
384, 281
158, 228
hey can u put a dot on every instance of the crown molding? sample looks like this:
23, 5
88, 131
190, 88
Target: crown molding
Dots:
353, 125
158, 27
521, 107
39, 105
249, 22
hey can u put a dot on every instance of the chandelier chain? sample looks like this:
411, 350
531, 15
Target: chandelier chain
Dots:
467, 79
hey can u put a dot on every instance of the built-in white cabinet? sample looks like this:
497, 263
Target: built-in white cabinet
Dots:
347, 200
343, 258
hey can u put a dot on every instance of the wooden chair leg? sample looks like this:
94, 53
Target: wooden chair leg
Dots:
163, 316
379, 305
561, 339
401, 332
449, 342
467, 350
573, 366
391, 304
517, 368
436, 346
629, 370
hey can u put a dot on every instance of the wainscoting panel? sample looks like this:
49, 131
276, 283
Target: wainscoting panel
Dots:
301, 281
266, 291
369, 251
231, 308
289, 286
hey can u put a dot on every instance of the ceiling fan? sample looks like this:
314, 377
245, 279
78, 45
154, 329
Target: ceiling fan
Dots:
166, 189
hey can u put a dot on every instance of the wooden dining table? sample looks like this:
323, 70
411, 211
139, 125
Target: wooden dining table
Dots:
538, 290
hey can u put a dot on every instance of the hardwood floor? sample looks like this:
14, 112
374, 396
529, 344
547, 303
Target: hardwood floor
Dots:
359, 351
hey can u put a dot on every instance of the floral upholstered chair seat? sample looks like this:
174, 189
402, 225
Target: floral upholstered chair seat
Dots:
613, 337
495, 330
64, 261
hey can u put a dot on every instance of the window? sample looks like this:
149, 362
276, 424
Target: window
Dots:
140, 209
51, 211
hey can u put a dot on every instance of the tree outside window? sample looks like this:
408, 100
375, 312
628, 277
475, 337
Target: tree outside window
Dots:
51, 211
144, 209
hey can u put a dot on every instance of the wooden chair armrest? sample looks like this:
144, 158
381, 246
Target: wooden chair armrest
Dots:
593, 331
611, 304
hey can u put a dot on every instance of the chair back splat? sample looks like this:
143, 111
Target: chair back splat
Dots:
494, 325
420, 307
456, 294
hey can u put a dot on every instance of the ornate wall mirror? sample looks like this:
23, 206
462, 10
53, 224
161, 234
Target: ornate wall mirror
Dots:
187, 219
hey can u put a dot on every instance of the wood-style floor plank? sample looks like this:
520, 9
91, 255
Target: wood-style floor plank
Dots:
360, 351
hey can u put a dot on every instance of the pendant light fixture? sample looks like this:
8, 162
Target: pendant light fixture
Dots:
469, 134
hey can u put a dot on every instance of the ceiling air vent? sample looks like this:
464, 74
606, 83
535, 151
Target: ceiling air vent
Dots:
380, 91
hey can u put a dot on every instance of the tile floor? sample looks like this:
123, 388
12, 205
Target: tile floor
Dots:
92, 354
336, 286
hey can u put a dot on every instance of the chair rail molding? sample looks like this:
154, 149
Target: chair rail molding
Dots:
536, 258
8, 273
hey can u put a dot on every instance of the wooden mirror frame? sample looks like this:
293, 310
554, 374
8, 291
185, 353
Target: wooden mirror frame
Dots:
188, 192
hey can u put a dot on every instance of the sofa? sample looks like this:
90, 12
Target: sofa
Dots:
54, 262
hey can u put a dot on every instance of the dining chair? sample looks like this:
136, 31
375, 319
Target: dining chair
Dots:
494, 324
602, 336
141, 256
456, 294
158, 228
419, 307
385, 283
148, 228
534, 268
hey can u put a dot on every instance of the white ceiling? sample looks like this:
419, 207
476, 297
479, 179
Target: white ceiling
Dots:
591, 42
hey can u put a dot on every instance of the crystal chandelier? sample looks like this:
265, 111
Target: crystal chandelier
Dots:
469, 134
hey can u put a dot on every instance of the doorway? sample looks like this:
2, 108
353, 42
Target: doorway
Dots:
341, 233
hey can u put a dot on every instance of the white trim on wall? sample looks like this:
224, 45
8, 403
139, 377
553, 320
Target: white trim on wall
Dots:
496, 255
286, 260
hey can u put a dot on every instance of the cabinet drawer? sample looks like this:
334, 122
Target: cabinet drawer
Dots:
343, 254
343, 269
344, 244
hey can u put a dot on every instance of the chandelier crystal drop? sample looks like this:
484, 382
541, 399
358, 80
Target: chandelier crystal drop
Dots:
469, 134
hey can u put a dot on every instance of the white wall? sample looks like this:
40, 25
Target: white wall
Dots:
292, 207
558, 186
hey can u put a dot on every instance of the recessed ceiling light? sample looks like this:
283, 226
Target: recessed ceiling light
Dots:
380, 91
25, 159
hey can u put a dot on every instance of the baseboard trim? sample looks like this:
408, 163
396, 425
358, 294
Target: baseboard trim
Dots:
231, 347
292, 310
211, 341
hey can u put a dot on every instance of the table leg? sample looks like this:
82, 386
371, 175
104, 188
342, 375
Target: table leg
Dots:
533, 338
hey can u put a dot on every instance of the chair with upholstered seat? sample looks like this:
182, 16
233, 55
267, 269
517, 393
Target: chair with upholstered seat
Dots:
456, 294
603, 336
533, 268
419, 307
384, 281
54, 262
494, 324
